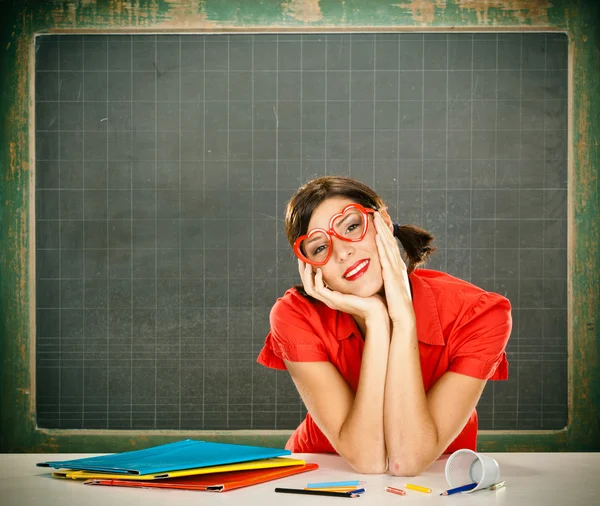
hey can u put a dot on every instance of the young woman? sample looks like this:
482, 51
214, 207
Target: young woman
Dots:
389, 360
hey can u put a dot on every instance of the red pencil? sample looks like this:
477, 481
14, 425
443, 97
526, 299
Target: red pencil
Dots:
396, 491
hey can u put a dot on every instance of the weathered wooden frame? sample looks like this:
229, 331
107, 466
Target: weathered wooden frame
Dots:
21, 21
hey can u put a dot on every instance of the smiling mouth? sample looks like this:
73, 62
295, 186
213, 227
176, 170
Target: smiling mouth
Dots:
357, 270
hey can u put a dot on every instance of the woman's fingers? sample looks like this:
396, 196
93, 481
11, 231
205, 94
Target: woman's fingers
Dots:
305, 272
382, 239
382, 228
315, 286
301, 269
383, 253
309, 279
389, 244
324, 294
313, 282
319, 284
384, 247
321, 288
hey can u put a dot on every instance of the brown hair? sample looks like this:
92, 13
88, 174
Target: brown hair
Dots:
415, 241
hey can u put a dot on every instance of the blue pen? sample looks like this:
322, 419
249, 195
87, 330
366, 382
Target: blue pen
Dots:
328, 484
456, 490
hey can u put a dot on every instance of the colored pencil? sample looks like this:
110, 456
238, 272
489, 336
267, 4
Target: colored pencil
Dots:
329, 484
315, 492
498, 485
456, 490
418, 488
394, 490
338, 489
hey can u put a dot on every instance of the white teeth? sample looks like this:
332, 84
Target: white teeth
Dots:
358, 268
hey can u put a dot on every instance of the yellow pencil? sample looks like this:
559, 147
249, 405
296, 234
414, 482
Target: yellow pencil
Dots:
418, 488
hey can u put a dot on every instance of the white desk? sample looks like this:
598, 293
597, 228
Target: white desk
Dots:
531, 478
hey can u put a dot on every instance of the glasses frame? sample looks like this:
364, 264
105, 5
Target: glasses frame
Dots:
365, 211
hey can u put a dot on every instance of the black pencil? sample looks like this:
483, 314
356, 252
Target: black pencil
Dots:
315, 492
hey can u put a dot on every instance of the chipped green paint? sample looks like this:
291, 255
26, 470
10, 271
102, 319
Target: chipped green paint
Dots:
584, 239
22, 20
272, 14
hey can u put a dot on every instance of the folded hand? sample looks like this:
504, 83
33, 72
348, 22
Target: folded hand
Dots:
362, 307
395, 276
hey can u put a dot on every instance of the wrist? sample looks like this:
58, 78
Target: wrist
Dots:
407, 322
404, 330
378, 313
404, 317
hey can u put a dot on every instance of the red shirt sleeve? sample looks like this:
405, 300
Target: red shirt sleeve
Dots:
479, 341
292, 337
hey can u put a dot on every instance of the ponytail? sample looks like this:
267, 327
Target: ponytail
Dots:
416, 243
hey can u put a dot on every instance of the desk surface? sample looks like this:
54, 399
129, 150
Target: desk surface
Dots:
531, 478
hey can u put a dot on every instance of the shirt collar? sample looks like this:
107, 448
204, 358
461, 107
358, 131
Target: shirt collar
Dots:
429, 328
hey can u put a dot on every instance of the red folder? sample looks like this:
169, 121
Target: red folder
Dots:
219, 482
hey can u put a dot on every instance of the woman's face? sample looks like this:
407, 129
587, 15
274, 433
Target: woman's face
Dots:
353, 267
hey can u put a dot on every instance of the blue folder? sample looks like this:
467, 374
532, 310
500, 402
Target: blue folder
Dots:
187, 454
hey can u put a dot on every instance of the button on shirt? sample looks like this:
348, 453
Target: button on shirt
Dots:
460, 328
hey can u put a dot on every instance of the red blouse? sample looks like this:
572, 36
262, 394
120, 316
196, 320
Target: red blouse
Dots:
460, 328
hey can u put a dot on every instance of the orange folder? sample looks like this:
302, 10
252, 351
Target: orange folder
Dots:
219, 482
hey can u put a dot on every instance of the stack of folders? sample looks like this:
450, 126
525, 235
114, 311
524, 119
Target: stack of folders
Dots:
188, 464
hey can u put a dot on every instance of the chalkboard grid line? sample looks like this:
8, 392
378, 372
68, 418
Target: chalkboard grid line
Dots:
59, 257
422, 133
300, 401
179, 231
302, 107
326, 96
374, 104
330, 159
283, 101
349, 109
543, 233
329, 129
107, 256
131, 243
471, 166
277, 197
184, 219
228, 270
155, 228
495, 213
398, 178
514, 307
516, 331
83, 252
252, 224
446, 155
307, 71
204, 242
